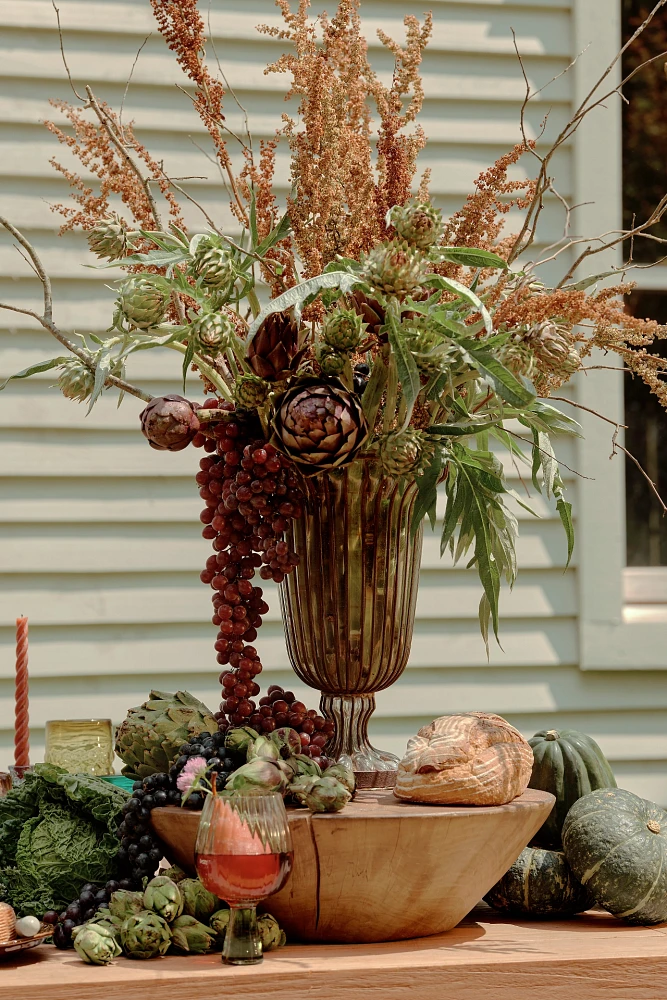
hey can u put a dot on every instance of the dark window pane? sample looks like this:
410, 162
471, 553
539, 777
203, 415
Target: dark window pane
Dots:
646, 438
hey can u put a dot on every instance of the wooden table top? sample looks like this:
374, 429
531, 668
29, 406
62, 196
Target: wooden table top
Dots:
592, 957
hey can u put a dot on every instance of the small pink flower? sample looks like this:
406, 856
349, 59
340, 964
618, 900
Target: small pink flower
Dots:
195, 767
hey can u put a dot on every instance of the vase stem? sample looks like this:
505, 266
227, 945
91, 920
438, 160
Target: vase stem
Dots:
351, 715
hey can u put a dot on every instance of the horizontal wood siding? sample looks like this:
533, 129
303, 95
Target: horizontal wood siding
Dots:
99, 535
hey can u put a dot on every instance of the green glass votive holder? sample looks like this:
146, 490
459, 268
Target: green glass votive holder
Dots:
80, 746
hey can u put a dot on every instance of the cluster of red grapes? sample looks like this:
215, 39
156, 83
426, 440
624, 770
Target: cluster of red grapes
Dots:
251, 493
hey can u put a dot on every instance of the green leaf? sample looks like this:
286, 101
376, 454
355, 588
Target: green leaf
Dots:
156, 258
187, 360
580, 286
372, 397
41, 366
500, 379
278, 233
564, 508
102, 371
427, 493
536, 461
463, 429
471, 257
543, 417
449, 285
294, 297
408, 373
254, 236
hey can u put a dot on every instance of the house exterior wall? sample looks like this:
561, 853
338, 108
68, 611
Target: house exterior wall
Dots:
99, 536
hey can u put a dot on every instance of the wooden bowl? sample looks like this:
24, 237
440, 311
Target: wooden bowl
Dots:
383, 870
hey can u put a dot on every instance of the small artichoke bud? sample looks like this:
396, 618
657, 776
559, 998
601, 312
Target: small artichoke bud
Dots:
403, 453
256, 778
239, 740
215, 267
211, 333
169, 423
263, 748
104, 919
111, 239
342, 329
251, 392
164, 898
302, 766
394, 268
271, 935
76, 380
189, 935
198, 902
219, 922
418, 223
95, 944
287, 740
344, 774
145, 935
142, 301
326, 795
124, 903
331, 362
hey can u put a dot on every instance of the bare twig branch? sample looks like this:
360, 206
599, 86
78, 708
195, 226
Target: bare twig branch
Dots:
129, 79
541, 450
580, 406
62, 52
615, 447
46, 318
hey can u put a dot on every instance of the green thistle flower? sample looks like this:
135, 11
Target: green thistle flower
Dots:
212, 333
404, 453
215, 266
418, 223
342, 329
394, 268
143, 301
111, 239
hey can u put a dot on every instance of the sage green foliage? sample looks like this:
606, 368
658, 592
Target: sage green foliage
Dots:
57, 831
189, 934
145, 935
198, 902
164, 897
95, 944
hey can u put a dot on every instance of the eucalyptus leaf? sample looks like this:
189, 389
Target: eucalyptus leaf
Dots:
41, 366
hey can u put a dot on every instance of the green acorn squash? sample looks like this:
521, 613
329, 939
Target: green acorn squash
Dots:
568, 764
539, 884
616, 845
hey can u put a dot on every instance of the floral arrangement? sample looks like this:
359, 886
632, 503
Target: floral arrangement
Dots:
357, 325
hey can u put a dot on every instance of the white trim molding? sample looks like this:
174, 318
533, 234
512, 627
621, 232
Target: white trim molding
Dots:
609, 638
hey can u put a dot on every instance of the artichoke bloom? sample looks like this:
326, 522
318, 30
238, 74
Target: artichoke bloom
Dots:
319, 425
149, 739
326, 794
287, 740
219, 922
145, 935
198, 902
257, 777
405, 453
273, 352
189, 935
344, 774
163, 897
95, 944
143, 300
264, 748
124, 903
418, 223
271, 935
239, 740
111, 239
169, 423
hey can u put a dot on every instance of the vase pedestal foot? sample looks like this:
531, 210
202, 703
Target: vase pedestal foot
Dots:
372, 768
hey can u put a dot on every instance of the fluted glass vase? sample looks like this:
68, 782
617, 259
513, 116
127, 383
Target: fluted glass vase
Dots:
349, 607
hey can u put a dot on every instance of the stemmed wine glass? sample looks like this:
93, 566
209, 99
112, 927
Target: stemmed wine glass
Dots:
243, 854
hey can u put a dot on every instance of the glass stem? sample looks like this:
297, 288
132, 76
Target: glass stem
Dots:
242, 942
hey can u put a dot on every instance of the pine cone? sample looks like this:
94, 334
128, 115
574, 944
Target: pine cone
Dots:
142, 301
273, 353
331, 361
394, 268
251, 392
214, 266
76, 381
407, 452
110, 239
418, 223
343, 329
212, 332
370, 310
169, 423
318, 425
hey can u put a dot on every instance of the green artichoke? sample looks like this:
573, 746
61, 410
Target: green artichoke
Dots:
188, 934
111, 238
145, 935
175, 873
394, 268
344, 774
405, 453
326, 795
270, 932
257, 777
143, 300
124, 903
198, 902
163, 897
251, 391
214, 265
219, 922
418, 223
95, 944
263, 748
239, 740
331, 361
149, 739
302, 766
342, 329
212, 332
288, 741
104, 918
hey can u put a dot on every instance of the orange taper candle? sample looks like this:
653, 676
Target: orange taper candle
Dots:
21, 728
